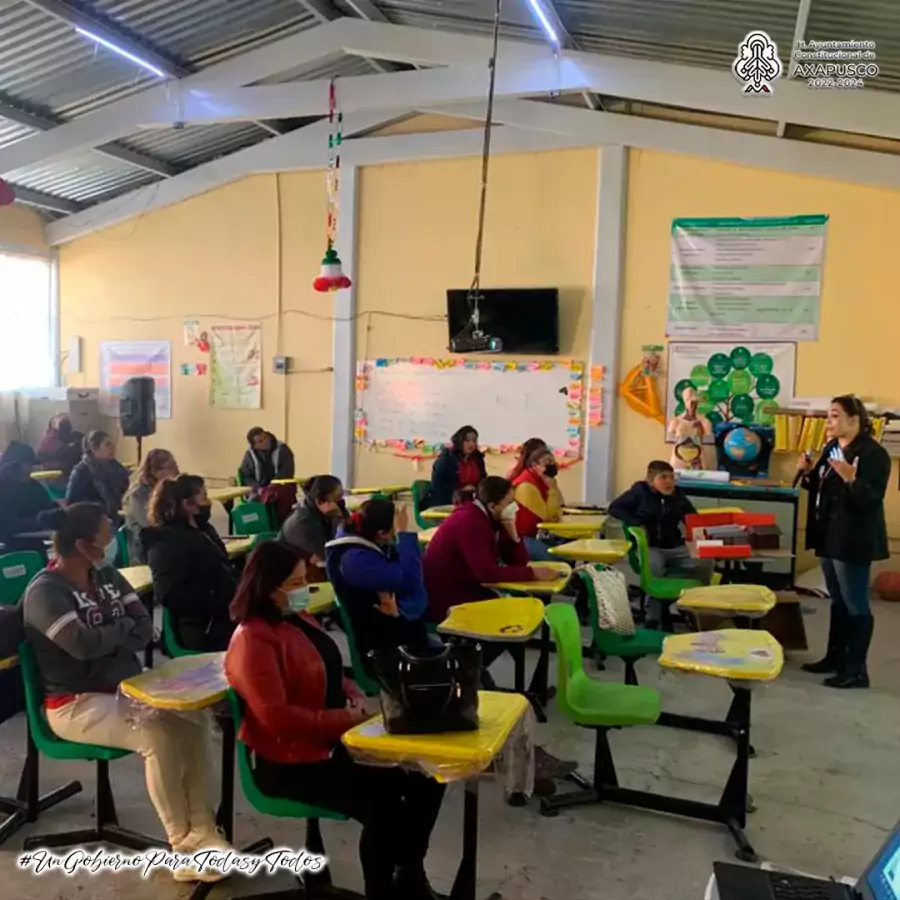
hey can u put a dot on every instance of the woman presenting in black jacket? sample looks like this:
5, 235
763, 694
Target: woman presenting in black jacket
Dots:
192, 577
846, 527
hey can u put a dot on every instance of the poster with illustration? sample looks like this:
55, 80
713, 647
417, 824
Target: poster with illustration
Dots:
121, 360
236, 366
742, 382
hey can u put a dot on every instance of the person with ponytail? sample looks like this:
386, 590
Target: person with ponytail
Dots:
375, 566
315, 520
99, 477
157, 466
192, 575
86, 626
538, 499
297, 704
846, 527
523, 455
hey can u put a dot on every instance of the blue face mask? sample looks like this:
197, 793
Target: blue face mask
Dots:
109, 555
298, 598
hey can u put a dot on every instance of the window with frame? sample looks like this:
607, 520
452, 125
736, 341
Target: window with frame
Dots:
27, 322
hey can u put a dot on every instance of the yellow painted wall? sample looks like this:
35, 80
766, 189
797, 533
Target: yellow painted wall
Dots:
417, 239
21, 226
860, 318
216, 257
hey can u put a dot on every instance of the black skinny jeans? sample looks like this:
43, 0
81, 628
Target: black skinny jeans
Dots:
397, 808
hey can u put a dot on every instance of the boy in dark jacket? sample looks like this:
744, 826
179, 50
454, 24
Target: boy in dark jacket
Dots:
266, 459
660, 507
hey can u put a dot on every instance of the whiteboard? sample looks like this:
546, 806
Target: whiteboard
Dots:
506, 402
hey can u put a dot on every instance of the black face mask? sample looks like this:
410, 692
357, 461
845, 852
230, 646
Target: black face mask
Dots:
64, 430
551, 470
203, 515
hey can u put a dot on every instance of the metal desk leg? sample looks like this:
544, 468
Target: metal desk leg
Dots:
464, 885
149, 603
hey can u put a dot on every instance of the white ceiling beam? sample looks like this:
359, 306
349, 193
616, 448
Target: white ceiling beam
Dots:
366, 9
325, 11
799, 35
45, 201
123, 154
102, 28
119, 119
863, 112
758, 151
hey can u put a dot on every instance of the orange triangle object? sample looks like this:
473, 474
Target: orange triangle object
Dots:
641, 394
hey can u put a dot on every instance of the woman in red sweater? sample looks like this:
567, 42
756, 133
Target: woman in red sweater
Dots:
477, 545
289, 674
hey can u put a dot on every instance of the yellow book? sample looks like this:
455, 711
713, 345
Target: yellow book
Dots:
794, 424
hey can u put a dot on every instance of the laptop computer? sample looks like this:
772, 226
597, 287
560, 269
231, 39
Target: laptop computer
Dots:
880, 880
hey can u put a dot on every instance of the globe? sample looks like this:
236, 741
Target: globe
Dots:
742, 445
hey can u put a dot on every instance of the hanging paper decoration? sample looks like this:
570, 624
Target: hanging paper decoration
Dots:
332, 277
7, 194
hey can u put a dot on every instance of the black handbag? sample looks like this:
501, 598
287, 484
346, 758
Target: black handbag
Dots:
431, 692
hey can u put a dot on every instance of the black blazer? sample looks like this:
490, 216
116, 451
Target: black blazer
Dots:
846, 521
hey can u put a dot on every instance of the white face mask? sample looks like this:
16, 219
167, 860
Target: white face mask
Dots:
509, 512
298, 598
109, 555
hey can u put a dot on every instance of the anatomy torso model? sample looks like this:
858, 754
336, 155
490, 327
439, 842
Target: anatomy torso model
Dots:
688, 430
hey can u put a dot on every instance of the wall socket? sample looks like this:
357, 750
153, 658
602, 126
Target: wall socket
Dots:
282, 365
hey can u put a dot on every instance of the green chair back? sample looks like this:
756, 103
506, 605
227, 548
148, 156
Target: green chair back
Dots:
54, 493
364, 682
420, 490
170, 642
270, 806
668, 587
582, 699
16, 570
122, 555
44, 738
250, 519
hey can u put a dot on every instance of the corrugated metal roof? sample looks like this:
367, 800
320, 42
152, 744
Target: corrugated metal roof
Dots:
862, 20
469, 16
195, 144
336, 66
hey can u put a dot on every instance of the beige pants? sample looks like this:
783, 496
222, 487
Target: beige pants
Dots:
175, 748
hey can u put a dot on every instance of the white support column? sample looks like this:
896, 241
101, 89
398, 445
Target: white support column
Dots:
609, 275
344, 381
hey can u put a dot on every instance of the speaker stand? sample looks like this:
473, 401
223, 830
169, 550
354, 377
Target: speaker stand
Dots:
140, 442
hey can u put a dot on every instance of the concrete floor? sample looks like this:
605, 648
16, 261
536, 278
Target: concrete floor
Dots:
824, 782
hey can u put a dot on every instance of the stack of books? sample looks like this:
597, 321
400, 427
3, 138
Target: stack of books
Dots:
805, 432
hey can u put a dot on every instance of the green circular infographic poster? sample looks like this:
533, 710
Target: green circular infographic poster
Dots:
740, 383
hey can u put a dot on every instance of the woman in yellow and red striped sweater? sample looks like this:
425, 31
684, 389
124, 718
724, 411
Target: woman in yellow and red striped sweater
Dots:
539, 499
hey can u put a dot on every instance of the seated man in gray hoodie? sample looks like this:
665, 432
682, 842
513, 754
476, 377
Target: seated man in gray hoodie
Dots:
86, 625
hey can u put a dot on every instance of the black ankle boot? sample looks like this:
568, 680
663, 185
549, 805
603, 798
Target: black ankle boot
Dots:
855, 674
833, 661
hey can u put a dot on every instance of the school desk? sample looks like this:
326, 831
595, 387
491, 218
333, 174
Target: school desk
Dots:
389, 490
47, 474
27, 805
592, 550
227, 495
728, 562
238, 546
436, 513
449, 757
744, 602
506, 620
583, 510
426, 536
575, 527
540, 680
742, 658
191, 684
299, 479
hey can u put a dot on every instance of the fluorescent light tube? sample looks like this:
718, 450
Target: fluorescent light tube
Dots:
123, 53
541, 15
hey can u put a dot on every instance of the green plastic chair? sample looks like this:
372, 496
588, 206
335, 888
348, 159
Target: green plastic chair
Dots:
600, 705
628, 648
280, 807
122, 555
16, 571
420, 491
170, 642
250, 519
364, 681
666, 588
106, 828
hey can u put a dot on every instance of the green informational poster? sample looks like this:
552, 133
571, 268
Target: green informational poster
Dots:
746, 279
746, 382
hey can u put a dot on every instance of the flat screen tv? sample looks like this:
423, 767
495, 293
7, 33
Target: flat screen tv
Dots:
524, 320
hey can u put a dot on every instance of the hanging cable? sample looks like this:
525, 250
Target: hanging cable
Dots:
474, 291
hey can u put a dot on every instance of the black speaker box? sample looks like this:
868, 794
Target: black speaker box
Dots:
137, 407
